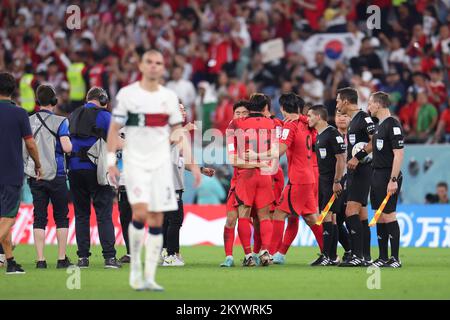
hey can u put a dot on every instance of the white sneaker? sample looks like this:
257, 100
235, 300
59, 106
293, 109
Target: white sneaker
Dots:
136, 281
153, 286
162, 256
172, 261
180, 257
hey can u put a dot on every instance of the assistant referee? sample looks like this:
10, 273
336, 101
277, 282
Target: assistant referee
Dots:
387, 177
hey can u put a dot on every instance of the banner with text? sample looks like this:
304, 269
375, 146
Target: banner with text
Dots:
420, 226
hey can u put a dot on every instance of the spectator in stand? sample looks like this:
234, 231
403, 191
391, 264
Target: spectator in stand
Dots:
367, 59
223, 113
441, 196
443, 128
312, 89
408, 114
184, 89
437, 93
321, 70
427, 116
442, 193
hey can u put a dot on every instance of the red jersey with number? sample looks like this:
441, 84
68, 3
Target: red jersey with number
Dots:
297, 137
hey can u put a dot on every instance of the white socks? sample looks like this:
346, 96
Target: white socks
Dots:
153, 246
136, 237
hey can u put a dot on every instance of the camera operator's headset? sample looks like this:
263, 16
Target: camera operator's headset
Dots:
103, 97
53, 100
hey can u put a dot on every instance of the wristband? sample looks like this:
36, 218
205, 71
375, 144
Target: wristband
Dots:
110, 159
361, 154
337, 181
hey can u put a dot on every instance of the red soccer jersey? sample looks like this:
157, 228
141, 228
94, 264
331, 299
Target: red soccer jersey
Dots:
297, 137
255, 132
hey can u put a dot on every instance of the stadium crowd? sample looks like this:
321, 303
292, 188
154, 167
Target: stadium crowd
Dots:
213, 56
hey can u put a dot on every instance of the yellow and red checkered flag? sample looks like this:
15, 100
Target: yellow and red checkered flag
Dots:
379, 211
326, 209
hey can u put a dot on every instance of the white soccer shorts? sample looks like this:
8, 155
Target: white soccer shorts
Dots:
153, 187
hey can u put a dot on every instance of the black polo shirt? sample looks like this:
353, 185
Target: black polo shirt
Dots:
387, 137
14, 126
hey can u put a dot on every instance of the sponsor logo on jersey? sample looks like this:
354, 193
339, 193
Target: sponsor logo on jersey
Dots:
285, 134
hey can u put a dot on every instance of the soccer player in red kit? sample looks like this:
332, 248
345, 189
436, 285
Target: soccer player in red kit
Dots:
298, 196
239, 111
278, 181
253, 185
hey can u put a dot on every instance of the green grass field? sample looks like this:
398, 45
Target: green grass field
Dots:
425, 275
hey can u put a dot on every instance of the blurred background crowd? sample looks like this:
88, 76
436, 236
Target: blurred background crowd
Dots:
216, 53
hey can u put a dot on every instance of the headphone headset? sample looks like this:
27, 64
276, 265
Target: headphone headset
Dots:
103, 97
53, 100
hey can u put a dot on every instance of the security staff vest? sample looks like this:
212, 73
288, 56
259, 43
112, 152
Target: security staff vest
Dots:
44, 127
27, 99
76, 81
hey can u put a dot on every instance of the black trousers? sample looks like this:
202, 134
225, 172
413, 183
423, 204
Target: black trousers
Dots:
84, 187
125, 215
171, 227
45, 191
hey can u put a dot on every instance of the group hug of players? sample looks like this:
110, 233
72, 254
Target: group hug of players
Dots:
319, 171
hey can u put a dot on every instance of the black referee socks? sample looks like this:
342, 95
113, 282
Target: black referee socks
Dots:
334, 242
327, 237
366, 239
393, 230
383, 240
355, 228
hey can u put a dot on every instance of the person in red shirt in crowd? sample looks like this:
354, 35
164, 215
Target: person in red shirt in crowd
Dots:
408, 114
443, 127
219, 53
437, 92
223, 113
256, 133
298, 196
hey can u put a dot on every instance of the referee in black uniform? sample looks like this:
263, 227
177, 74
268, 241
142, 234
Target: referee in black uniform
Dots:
361, 129
387, 178
330, 149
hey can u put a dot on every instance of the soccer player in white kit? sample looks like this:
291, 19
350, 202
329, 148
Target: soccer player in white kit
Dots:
151, 116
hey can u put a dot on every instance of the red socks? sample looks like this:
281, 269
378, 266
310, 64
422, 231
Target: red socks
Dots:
291, 233
266, 228
228, 240
277, 235
256, 240
318, 233
245, 234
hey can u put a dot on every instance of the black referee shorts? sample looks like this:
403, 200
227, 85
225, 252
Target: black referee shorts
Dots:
380, 180
358, 183
325, 192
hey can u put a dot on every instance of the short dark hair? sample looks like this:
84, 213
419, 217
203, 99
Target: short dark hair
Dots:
382, 98
349, 94
96, 93
258, 101
7, 84
442, 184
240, 103
45, 94
150, 51
290, 102
320, 110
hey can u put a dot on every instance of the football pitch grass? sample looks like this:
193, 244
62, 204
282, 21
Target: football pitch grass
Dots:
425, 275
